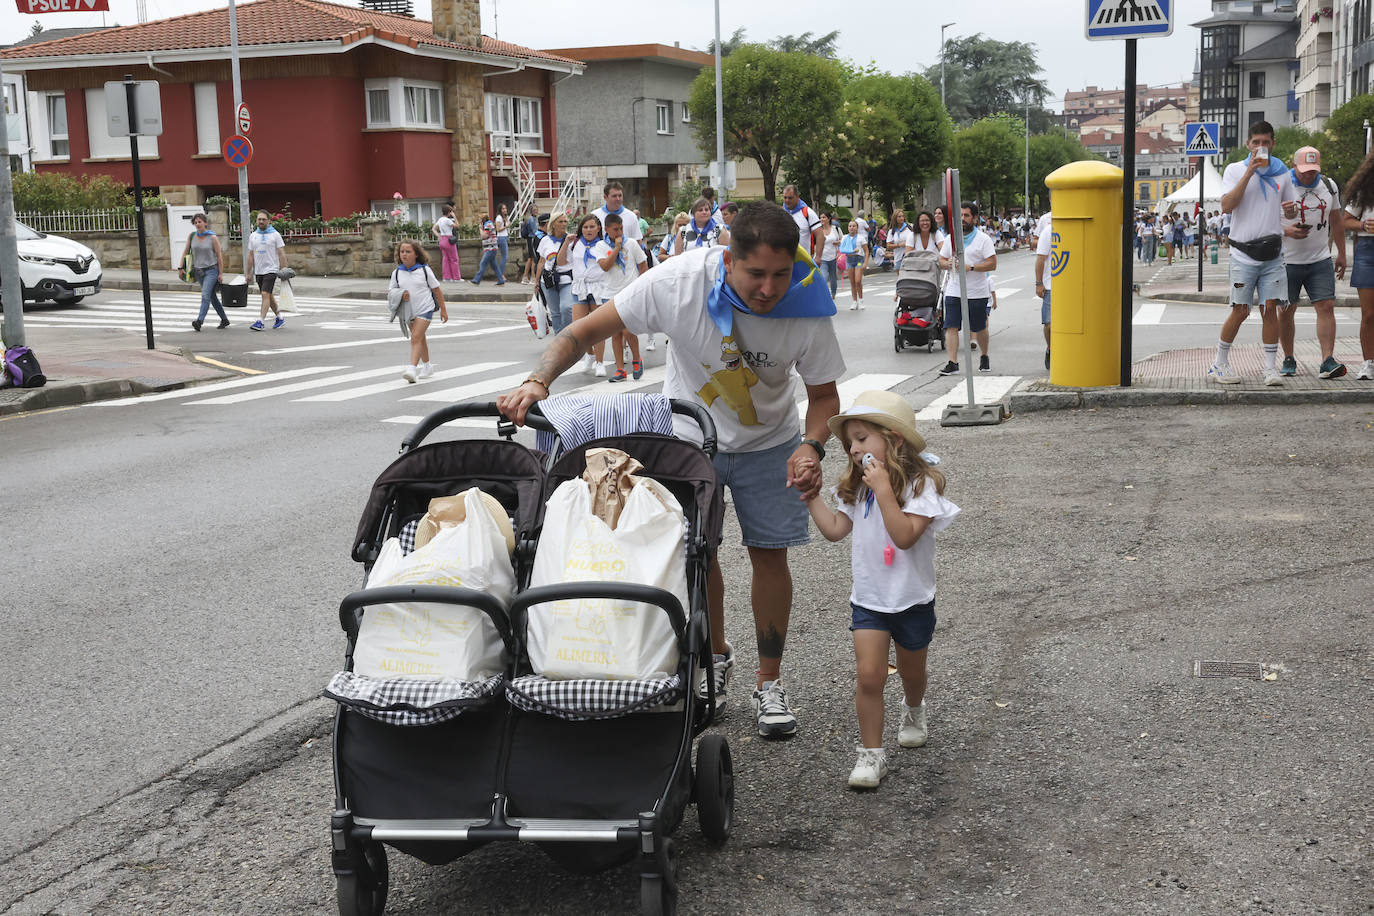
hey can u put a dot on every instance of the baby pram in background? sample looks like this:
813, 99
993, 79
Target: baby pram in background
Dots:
596, 775
917, 320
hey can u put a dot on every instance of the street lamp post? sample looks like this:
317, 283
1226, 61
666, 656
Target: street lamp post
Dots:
942, 61
1026, 202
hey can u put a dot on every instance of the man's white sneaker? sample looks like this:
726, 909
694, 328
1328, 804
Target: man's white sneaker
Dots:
772, 714
913, 731
1223, 375
588, 363
870, 768
650, 345
599, 370
410, 374
1272, 378
425, 370
1366, 372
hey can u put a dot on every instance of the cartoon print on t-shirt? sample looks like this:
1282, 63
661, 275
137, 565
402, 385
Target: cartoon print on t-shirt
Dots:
732, 383
1319, 208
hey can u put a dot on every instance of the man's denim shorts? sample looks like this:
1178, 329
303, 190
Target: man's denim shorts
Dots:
1045, 307
911, 629
1266, 280
1362, 271
977, 313
1319, 278
771, 515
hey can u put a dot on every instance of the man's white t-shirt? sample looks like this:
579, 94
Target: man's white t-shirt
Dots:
1317, 206
617, 278
1044, 247
807, 222
863, 229
1258, 214
266, 248
628, 217
745, 379
980, 249
910, 579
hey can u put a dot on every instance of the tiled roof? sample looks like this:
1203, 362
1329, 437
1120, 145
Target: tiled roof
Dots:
267, 22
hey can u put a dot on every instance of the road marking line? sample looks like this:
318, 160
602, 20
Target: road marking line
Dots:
986, 390
215, 362
400, 384
473, 391
1149, 313
851, 388
261, 393
390, 339
197, 390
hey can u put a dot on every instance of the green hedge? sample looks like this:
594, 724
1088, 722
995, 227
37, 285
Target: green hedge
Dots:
54, 192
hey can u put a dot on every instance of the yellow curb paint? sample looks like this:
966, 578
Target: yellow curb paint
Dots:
34, 413
232, 368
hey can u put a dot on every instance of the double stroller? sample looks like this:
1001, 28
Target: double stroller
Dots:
596, 776
917, 320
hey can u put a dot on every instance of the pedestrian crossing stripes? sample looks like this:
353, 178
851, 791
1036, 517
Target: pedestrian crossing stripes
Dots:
349, 394
391, 339
986, 390
263, 379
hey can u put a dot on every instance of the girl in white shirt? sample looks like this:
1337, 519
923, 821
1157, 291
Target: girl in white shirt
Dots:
443, 230
893, 502
830, 252
588, 283
421, 289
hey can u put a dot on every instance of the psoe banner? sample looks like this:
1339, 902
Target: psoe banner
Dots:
63, 6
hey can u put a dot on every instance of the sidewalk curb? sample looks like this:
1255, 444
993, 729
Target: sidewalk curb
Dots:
1021, 400
1342, 302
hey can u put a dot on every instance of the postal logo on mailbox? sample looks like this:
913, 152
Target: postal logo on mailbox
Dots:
1059, 257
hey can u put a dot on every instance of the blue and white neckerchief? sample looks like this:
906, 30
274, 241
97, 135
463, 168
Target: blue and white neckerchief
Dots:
416, 266
800, 204
1268, 174
587, 255
201, 235
1316, 179
868, 503
703, 233
806, 297
969, 236
619, 210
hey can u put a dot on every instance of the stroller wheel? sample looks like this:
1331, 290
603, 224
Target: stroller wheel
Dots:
897, 341
715, 788
363, 893
658, 890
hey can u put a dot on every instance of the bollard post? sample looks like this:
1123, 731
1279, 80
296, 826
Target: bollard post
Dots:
1085, 312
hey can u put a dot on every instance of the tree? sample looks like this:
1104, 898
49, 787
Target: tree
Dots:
824, 46
865, 133
924, 144
1049, 151
729, 45
988, 155
984, 76
774, 102
36, 29
1342, 141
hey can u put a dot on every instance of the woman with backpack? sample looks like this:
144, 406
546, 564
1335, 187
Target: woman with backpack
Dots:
207, 265
418, 286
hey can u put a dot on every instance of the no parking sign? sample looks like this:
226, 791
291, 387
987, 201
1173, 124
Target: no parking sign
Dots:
238, 151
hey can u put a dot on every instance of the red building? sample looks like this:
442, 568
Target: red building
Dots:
349, 106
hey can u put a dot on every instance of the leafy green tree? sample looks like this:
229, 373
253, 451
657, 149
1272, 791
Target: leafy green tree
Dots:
923, 147
1049, 151
864, 134
729, 45
984, 76
822, 46
1342, 141
774, 101
988, 154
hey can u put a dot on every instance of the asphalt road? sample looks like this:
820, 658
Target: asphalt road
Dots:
188, 552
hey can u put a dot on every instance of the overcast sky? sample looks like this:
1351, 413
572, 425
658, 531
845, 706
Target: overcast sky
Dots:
898, 37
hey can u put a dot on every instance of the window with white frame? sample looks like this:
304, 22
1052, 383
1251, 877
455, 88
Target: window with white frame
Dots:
515, 121
403, 103
665, 117
207, 119
686, 114
423, 212
55, 104
103, 146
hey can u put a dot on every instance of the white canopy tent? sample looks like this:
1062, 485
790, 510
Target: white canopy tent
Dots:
1188, 193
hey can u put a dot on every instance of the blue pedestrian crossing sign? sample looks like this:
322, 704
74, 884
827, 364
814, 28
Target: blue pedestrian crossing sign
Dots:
1202, 138
1109, 19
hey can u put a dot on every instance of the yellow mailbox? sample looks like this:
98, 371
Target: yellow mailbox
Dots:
1085, 264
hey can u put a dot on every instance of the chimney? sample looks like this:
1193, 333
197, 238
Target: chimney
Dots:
459, 21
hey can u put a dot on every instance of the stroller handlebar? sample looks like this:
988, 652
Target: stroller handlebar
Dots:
427, 594
623, 591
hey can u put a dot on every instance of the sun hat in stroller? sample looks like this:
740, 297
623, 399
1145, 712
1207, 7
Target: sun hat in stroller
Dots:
593, 787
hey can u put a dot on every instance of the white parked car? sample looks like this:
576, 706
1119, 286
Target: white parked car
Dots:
56, 269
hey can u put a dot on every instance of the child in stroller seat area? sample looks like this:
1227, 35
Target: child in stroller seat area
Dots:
893, 502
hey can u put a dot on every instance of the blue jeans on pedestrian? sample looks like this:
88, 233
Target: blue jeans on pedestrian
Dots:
502, 245
209, 277
489, 258
832, 275
1151, 248
565, 303
1137, 247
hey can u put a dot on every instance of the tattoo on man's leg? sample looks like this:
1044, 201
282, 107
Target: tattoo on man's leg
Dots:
770, 641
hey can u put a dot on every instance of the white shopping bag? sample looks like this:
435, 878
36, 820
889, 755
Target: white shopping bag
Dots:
537, 314
597, 637
286, 297
434, 641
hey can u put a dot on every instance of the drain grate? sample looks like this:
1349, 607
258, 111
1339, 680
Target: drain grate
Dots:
1211, 668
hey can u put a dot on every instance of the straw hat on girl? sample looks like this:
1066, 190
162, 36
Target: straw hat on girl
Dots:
881, 408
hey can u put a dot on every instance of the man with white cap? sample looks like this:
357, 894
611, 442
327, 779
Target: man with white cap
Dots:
1307, 240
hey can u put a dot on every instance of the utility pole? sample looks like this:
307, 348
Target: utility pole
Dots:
942, 62
720, 114
11, 291
1026, 202
238, 100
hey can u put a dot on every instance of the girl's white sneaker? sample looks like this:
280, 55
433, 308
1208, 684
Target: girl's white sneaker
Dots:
650, 345
870, 768
425, 370
410, 374
913, 731
599, 370
1366, 370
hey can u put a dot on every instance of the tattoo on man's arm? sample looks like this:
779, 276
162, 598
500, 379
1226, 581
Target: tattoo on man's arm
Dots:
769, 641
558, 357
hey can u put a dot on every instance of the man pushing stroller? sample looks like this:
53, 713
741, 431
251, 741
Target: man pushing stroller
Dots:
738, 320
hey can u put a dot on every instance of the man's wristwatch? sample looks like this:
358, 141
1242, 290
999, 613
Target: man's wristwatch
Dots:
814, 443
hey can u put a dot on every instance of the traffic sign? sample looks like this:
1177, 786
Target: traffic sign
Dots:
1202, 138
147, 108
1108, 19
245, 119
238, 151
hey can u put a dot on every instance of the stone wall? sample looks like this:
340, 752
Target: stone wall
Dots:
464, 99
458, 20
120, 249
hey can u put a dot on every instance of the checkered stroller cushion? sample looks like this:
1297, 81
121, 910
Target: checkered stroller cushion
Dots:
586, 699
411, 701
407, 534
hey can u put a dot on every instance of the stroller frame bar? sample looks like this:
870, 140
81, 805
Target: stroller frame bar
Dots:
524, 830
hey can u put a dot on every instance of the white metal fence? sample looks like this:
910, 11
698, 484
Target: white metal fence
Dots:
86, 221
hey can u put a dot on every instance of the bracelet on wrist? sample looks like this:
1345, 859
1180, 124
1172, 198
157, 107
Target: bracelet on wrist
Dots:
540, 382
